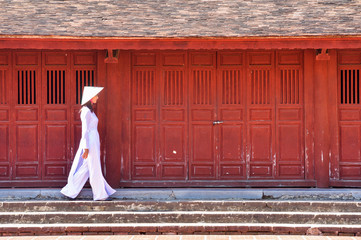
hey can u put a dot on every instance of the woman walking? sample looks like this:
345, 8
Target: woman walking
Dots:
86, 163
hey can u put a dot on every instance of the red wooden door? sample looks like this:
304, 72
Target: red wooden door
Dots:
217, 116
346, 165
39, 114
27, 161
275, 113
5, 116
241, 114
202, 98
159, 129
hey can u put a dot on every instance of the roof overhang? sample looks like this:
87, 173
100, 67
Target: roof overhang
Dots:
86, 43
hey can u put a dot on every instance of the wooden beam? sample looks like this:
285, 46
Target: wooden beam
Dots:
13, 42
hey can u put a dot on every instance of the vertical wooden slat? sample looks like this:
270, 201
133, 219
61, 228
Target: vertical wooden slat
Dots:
179, 79
268, 87
258, 86
255, 86
252, 87
344, 86
148, 87
60, 88
358, 86
31, 86
172, 88
194, 87
231, 87
141, 82
182, 88
202, 84
209, 91
223, 85
349, 86
297, 87
56, 84
234, 88
166, 88
22, 87
352, 79
2, 89
201, 87
281, 86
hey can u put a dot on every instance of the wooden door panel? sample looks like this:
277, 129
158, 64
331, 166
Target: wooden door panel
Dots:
203, 143
230, 111
347, 166
27, 127
56, 154
289, 142
260, 115
350, 138
261, 142
290, 161
27, 145
144, 138
231, 143
4, 151
174, 143
26, 171
5, 159
232, 163
56, 120
145, 115
27, 142
173, 117
290, 116
202, 100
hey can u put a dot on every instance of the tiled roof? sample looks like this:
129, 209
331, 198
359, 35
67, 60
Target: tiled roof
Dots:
180, 18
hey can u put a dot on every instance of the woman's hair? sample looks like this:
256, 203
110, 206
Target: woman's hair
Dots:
89, 105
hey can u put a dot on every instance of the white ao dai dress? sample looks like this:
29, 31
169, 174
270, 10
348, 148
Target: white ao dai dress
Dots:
82, 169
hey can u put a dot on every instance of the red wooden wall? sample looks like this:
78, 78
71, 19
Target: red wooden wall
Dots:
214, 118
262, 118
346, 144
39, 114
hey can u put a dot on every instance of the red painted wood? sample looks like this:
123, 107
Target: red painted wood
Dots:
231, 142
346, 146
202, 102
309, 113
322, 134
261, 137
36, 42
5, 115
39, 114
116, 98
27, 160
290, 115
245, 117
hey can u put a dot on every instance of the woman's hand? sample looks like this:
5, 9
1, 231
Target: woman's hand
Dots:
85, 153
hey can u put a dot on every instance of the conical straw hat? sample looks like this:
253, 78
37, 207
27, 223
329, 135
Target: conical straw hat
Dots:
89, 93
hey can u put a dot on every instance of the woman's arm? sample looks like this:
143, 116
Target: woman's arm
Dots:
85, 117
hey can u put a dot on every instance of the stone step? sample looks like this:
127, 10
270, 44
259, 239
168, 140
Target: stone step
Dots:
148, 206
181, 217
178, 228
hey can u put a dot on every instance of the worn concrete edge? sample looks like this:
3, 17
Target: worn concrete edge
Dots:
16, 225
191, 194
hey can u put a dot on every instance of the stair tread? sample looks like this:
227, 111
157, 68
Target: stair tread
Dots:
17, 225
178, 212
